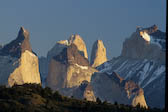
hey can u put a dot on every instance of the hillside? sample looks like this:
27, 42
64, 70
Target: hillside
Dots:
34, 98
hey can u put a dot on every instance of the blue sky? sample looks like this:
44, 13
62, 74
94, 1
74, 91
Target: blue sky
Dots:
49, 21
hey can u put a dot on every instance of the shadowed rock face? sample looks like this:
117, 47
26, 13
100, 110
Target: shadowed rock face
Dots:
84, 91
17, 46
70, 55
111, 87
58, 47
68, 69
98, 55
18, 64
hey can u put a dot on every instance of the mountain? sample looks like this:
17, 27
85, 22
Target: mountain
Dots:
74, 39
144, 45
111, 87
18, 63
68, 69
78, 41
58, 47
143, 61
98, 54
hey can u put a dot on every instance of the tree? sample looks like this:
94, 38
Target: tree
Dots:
98, 100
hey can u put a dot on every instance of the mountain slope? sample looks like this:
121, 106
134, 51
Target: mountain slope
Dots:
143, 61
34, 98
111, 87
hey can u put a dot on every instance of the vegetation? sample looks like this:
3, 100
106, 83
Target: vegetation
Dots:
34, 98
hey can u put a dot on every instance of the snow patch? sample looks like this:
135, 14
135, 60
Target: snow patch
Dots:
156, 41
144, 74
156, 74
122, 66
66, 42
145, 36
82, 67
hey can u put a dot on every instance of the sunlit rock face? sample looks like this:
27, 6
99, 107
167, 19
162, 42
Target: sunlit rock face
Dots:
27, 71
78, 41
98, 55
143, 62
68, 69
58, 47
111, 87
18, 63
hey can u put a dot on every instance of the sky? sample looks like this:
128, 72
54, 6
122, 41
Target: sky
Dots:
49, 21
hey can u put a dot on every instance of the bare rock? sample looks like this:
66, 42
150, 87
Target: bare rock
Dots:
78, 41
111, 87
98, 55
68, 69
18, 63
142, 45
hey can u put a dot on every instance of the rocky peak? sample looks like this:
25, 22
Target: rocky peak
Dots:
23, 32
98, 54
71, 55
60, 45
19, 45
143, 45
148, 30
78, 41
18, 64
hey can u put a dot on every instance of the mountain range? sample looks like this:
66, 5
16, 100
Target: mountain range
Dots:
135, 77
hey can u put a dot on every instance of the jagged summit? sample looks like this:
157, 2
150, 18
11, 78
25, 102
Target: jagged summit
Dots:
71, 55
17, 46
98, 54
146, 43
60, 45
152, 31
79, 42
148, 30
23, 32
18, 64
